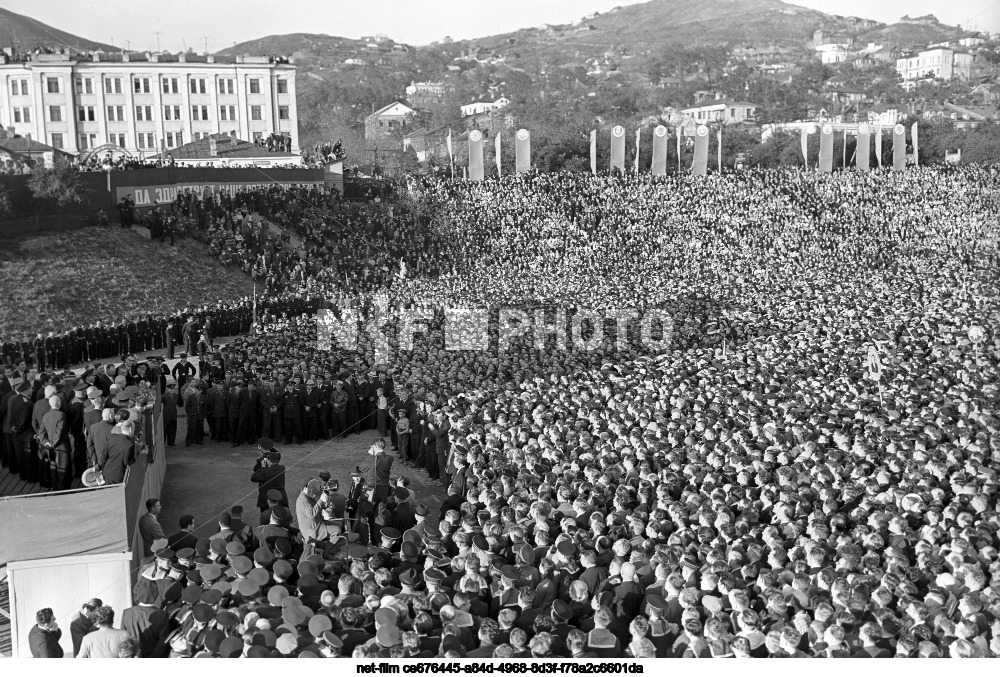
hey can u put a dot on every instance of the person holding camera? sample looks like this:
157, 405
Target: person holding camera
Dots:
269, 474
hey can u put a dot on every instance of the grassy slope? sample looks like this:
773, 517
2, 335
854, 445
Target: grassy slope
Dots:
60, 280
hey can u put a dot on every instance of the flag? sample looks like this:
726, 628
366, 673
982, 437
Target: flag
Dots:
719, 140
843, 161
861, 154
638, 137
699, 164
679, 131
451, 156
618, 148
898, 148
878, 145
522, 151
916, 146
476, 155
826, 149
659, 167
255, 303
593, 152
497, 153
804, 141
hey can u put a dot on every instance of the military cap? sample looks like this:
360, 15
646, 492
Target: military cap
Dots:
657, 602
203, 547
226, 619
561, 610
218, 546
388, 636
306, 568
333, 640
293, 615
211, 573
273, 495
287, 644
247, 587
213, 639
242, 564
410, 549
234, 549
265, 443
258, 652
431, 532
421, 510
193, 576
358, 552
566, 548
509, 573
319, 624
480, 543
282, 547
263, 557
203, 613
165, 555
212, 596
391, 534
259, 576
232, 647
409, 577
282, 568
281, 513
185, 555
277, 595
386, 616
191, 594
434, 575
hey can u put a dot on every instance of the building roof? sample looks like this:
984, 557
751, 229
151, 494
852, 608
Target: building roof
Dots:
23, 146
717, 102
226, 147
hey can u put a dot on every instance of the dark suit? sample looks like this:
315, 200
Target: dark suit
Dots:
17, 426
44, 644
272, 477
120, 455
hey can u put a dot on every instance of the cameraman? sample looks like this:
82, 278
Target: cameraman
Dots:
309, 507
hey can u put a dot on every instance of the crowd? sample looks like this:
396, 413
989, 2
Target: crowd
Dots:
766, 487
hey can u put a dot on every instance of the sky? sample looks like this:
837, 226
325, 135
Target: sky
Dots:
222, 23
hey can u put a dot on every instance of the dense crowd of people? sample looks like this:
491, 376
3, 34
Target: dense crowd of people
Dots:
811, 469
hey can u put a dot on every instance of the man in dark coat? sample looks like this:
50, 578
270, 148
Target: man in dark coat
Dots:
292, 414
120, 454
44, 636
17, 426
269, 474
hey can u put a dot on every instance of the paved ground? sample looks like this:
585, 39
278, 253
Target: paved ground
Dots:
209, 479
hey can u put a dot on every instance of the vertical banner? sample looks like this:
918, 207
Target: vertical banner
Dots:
593, 152
861, 154
916, 145
804, 142
638, 137
878, 145
843, 160
898, 148
826, 149
497, 154
680, 131
618, 148
476, 155
719, 149
451, 155
659, 167
522, 151
699, 165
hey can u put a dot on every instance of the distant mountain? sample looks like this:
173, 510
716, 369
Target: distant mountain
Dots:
22, 33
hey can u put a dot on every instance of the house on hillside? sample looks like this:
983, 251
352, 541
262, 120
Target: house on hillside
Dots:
397, 117
480, 107
940, 62
986, 93
432, 145
727, 112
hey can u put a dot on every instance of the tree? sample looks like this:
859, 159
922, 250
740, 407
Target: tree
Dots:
59, 184
333, 126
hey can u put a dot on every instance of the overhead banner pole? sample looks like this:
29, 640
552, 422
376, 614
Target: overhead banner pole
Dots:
699, 165
898, 148
862, 153
476, 172
618, 148
593, 152
659, 166
826, 149
522, 151
497, 154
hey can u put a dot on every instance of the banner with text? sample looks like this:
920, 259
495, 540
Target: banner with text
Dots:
699, 165
826, 149
618, 148
862, 152
659, 167
898, 148
522, 151
476, 155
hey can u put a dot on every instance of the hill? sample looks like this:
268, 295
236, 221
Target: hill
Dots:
23, 33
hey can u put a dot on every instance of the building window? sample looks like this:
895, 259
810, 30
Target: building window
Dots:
171, 112
113, 86
84, 86
282, 86
57, 141
117, 139
255, 113
141, 85
254, 86
147, 141
144, 113
226, 86
52, 85
227, 113
170, 86
85, 113
55, 114
175, 139
19, 87
283, 112
198, 86
87, 141
116, 113
22, 115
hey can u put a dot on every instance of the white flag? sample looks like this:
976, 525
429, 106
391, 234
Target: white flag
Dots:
497, 142
451, 155
638, 137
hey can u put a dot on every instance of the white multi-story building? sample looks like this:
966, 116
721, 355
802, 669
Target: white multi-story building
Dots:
940, 62
146, 105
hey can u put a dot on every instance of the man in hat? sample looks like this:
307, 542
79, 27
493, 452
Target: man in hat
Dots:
120, 453
145, 622
194, 405
269, 475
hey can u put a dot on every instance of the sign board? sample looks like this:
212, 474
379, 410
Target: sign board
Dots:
145, 196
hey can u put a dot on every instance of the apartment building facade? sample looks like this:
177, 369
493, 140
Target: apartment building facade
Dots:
146, 105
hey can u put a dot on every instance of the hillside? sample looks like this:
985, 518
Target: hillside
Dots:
24, 33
